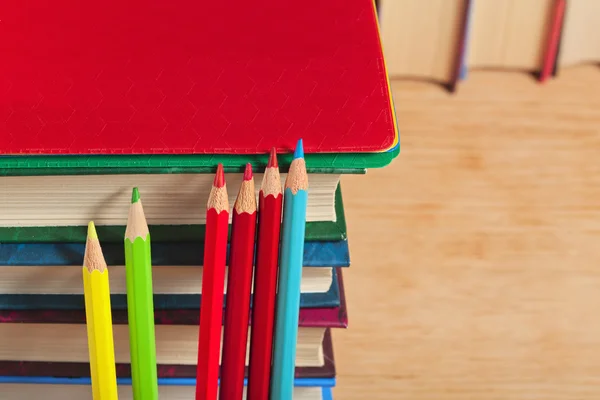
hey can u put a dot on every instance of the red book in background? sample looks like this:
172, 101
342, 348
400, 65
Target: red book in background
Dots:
553, 41
182, 77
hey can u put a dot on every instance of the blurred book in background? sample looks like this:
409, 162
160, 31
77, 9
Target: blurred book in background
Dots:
441, 40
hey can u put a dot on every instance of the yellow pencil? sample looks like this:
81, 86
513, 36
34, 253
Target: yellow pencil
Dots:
99, 320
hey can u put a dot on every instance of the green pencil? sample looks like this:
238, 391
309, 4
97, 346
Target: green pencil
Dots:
140, 305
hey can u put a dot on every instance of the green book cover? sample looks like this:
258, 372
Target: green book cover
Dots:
343, 163
315, 231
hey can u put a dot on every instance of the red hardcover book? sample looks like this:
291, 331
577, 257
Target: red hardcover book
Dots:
192, 77
553, 41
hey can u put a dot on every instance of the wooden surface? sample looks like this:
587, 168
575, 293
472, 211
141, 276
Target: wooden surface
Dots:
476, 255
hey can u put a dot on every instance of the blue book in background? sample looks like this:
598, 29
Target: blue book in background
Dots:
465, 48
49, 388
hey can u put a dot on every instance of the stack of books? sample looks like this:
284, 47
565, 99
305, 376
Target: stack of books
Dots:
101, 97
440, 40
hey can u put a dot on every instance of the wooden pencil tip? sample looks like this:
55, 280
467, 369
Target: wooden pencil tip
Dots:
273, 159
92, 231
219, 177
135, 195
248, 172
299, 152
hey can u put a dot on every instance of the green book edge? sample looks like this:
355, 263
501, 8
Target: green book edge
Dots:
343, 163
315, 231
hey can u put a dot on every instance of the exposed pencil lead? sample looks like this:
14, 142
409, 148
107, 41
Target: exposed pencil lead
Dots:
273, 159
248, 172
92, 231
135, 195
299, 152
219, 177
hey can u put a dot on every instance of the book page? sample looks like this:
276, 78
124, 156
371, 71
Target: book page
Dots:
421, 38
580, 41
509, 33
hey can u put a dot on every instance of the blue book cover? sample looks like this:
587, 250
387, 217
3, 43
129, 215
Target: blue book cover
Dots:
463, 63
17, 387
331, 298
298, 382
316, 254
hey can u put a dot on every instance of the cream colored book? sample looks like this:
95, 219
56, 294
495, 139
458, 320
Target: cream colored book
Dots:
580, 40
175, 344
19, 391
169, 199
509, 34
421, 38
176, 280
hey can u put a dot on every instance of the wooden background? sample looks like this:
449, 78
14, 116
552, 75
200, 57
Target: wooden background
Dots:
476, 255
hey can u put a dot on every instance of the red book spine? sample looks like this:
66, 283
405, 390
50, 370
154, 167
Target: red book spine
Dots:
237, 311
265, 284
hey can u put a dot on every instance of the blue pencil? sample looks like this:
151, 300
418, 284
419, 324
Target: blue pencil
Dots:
290, 273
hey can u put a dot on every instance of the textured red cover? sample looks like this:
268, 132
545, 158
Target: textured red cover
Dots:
189, 76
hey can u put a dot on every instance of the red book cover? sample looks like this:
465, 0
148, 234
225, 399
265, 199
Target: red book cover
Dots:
192, 77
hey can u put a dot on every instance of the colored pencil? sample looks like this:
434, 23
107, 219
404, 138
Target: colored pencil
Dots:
140, 304
290, 274
270, 200
99, 320
213, 285
239, 287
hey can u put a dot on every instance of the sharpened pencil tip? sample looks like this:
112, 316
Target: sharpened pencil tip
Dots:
92, 231
135, 195
248, 172
299, 152
273, 159
219, 177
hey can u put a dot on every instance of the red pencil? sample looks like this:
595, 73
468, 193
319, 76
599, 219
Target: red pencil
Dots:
239, 287
265, 281
213, 283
